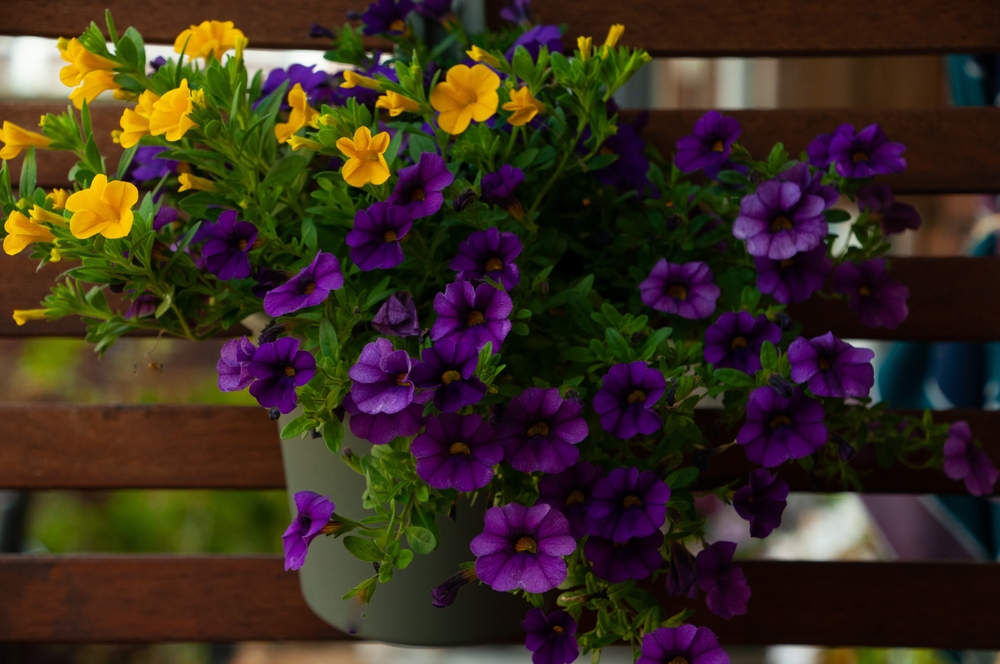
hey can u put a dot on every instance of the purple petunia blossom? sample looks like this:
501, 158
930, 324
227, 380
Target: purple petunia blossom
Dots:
877, 298
488, 253
311, 81
867, 153
629, 171
819, 148
794, 279
450, 369
762, 502
964, 461
569, 492
684, 289
550, 638
374, 240
708, 146
280, 367
234, 360
444, 595
780, 220
635, 558
386, 16
517, 12
539, 431
627, 397
810, 183
693, 645
383, 428
457, 452
833, 368
306, 289
142, 306
523, 547
497, 188
724, 584
627, 503
148, 165
477, 315
735, 339
227, 254
778, 428
165, 215
397, 317
549, 36
882, 207
381, 379
314, 512
419, 186
682, 579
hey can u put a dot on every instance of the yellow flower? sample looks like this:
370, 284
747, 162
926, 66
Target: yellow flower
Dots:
300, 115
18, 138
40, 214
354, 79
585, 46
135, 122
209, 38
171, 113
21, 232
480, 55
22, 316
189, 181
465, 95
105, 208
58, 198
614, 34
365, 162
524, 106
55, 255
397, 103
300, 143
94, 83
81, 62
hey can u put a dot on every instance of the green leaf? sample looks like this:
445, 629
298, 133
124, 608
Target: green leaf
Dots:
29, 174
333, 434
836, 216
404, 559
768, 356
164, 306
329, 343
297, 427
617, 343
419, 144
420, 539
576, 354
393, 149
734, 378
286, 170
682, 478
363, 549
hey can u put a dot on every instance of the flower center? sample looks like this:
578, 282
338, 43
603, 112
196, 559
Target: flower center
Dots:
738, 342
781, 223
785, 264
398, 25
475, 317
290, 371
557, 629
389, 236
859, 156
450, 376
241, 245
637, 396
418, 194
780, 421
460, 448
877, 217
864, 290
309, 288
526, 544
401, 380
575, 498
539, 429
606, 150
824, 364
494, 265
632, 501
718, 146
677, 292
678, 660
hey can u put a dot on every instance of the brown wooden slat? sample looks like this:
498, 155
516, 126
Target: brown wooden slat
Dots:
229, 598
180, 447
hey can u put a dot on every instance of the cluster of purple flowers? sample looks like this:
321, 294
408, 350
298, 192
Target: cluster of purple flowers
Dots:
272, 370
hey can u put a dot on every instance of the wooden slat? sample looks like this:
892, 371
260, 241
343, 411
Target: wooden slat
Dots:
227, 599
117, 447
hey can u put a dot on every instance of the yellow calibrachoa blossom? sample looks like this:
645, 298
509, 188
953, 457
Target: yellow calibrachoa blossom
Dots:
480, 55
105, 208
40, 214
465, 95
354, 79
171, 113
188, 181
366, 161
585, 45
17, 138
397, 103
300, 143
22, 316
21, 232
209, 38
81, 62
58, 198
524, 107
135, 122
93, 84
300, 116
615, 33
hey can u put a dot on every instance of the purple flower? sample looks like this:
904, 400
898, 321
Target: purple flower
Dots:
724, 583
227, 254
626, 399
142, 306
684, 289
147, 164
386, 16
420, 185
778, 429
627, 503
234, 360
517, 11
551, 638
682, 578
569, 492
779, 220
872, 293
165, 215
450, 368
694, 645
397, 317
709, 144
819, 148
488, 253
522, 547
477, 315
867, 153
882, 207
317, 31
456, 452
306, 289
735, 339
383, 428
266, 280
794, 279
381, 379
761, 502
436, 10
280, 367
628, 172
549, 36
498, 188
539, 431
810, 183
445, 595
309, 79
832, 367
314, 512
964, 461
635, 558
374, 241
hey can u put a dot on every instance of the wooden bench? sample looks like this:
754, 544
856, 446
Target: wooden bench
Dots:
158, 598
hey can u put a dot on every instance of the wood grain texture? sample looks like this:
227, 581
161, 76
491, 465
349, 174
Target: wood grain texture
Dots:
233, 598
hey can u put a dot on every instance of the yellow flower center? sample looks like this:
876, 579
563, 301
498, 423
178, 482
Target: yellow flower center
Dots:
718, 146
418, 194
389, 236
785, 264
781, 223
450, 376
678, 292
575, 498
557, 629
460, 448
242, 244
824, 364
494, 265
780, 421
606, 150
401, 380
637, 397
678, 660
398, 25
738, 342
864, 290
859, 156
526, 544
475, 317
290, 371
632, 501
309, 288
539, 429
